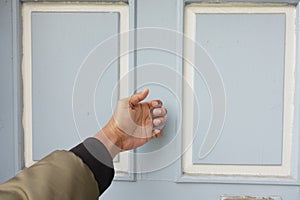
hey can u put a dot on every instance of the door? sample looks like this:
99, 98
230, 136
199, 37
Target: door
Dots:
227, 73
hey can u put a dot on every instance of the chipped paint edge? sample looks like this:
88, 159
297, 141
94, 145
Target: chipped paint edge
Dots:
122, 166
247, 197
284, 170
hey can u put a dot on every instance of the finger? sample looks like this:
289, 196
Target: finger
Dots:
138, 97
159, 112
159, 121
157, 133
155, 104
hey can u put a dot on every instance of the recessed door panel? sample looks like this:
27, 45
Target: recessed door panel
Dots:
248, 51
71, 71
238, 118
60, 43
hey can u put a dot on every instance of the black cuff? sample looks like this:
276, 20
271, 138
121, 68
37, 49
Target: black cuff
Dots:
94, 154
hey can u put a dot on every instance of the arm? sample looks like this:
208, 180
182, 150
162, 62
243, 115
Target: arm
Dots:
86, 171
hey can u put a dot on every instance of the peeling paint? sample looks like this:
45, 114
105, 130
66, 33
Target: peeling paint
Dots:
249, 198
284, 170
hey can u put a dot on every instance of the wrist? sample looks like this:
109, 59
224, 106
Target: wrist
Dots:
111, 138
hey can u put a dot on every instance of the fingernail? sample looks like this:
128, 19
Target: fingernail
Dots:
157, 111
156, 131
154, 103
156, 122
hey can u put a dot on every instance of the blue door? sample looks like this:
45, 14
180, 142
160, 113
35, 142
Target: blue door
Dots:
228, 73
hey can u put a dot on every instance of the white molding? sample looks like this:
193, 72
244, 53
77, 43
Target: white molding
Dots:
283, 170
122, 167
249, 197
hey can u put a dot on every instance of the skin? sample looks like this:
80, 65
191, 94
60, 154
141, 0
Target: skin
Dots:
133, 124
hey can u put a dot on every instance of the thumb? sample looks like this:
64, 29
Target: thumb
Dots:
138, 97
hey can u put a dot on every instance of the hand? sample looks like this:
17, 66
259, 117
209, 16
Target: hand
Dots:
133, 124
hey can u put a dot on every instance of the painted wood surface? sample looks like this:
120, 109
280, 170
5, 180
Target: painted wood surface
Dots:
11, 143
249, 51
52, 33
167, 182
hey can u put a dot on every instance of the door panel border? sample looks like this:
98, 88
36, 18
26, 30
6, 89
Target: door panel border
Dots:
124, 164
287, 172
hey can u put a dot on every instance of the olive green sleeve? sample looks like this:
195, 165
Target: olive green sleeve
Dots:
60, 175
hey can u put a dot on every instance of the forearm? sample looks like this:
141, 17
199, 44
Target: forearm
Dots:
86, 171
61, 175
96, 156
83, 173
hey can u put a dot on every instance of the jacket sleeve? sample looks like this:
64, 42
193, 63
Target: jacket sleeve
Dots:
84, 172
